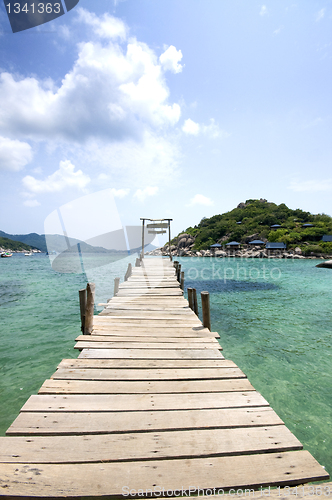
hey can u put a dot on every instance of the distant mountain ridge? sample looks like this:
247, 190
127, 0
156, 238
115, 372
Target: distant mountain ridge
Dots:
55, 242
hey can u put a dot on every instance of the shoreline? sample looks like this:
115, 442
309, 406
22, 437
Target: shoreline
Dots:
251, 253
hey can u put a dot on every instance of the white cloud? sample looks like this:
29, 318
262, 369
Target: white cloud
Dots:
63, 178
263, 10
190, 127
320, 15
170, 60
120, 193
14, 154
105, 27
278, 30
31, 203
214, 131
152, 161
311, 186
200, 199
142, 194
111, 93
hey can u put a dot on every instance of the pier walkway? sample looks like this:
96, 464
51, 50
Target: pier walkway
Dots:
150, 404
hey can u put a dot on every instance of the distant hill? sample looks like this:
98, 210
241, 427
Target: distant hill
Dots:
253, 220
57, 243
8, 244
34, 240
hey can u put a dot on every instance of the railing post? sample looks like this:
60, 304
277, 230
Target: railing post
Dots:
178, 271
82, 296
182, 280
190, 298
89, 309
128, 273
116, 285
205, 296
195, 301
138, 262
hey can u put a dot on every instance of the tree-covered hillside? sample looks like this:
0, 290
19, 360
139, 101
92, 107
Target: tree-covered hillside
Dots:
15, 246
253, 220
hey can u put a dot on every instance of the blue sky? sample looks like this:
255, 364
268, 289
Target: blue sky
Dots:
183, 108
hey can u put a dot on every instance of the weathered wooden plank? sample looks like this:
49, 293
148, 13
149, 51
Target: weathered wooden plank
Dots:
209, 341
168, 333
100, 422
142, 402
147, 445
54, 386
110, 344
147, 363
290, 467
147, 374
151, 353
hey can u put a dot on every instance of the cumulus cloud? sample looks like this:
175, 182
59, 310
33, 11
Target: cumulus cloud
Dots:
142, 194
320, 15
105, 26
14, 154
190, 127
211, 130
311, 186
263, 10
31, 203
65, 177
111, 93
200, 199
170, 60
152, 161
120, 193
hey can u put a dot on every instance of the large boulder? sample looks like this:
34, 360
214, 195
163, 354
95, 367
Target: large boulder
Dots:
185, 240
252, 237
220, 253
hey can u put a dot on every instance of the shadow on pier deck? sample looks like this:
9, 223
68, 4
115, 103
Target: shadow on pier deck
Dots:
150, 405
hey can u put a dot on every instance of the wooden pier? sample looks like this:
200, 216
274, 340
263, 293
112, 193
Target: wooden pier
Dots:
150, 404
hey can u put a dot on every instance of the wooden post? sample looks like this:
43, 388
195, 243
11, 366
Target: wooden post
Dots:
128, 273
138, 262
195, 301
82, 296
179, 272
190, 298
206, 309
169, 240
89, 309
143, 227
116, 285
182, 280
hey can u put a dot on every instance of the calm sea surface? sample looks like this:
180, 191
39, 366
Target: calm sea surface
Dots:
274, 319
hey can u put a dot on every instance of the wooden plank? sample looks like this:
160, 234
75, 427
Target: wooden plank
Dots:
162, 333
146, 363
111, 479
54, 386
209, 341
142, 402
91, 344
147, 445
151, 353
101, 422
111, 344
147, 374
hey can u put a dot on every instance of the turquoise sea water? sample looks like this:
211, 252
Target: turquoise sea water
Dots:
274, 319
